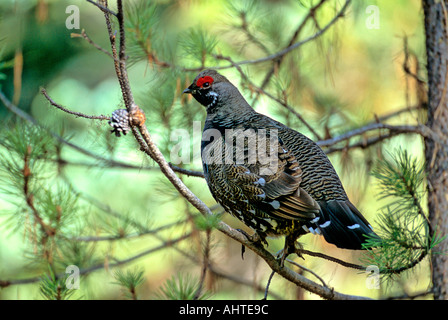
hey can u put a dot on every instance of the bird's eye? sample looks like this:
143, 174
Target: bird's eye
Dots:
204, 82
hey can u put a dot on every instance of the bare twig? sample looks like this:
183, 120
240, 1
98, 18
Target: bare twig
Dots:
84, 35
397, 113
266, 290
333, 259
105, 9
308, 270
78, 114
419, 129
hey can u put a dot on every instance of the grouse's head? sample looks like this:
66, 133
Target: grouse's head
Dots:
209, 88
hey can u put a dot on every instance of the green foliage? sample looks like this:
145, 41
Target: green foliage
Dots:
130, 280
142, 32
403, 226
53, 288
27, 174
400, 177
207, 223
42, 206
199, 44
181, 287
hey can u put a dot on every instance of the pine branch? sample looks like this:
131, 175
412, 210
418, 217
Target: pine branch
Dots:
29, 196
402, 245
130, 280
105, 9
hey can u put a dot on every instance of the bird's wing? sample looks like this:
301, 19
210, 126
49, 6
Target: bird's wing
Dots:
272, 184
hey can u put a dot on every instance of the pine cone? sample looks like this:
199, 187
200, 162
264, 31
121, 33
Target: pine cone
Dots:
273, 178
119, 122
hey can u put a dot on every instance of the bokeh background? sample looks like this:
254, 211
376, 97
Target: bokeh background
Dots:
337, 82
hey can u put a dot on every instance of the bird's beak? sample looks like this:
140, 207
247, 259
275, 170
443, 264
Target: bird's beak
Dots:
191, 90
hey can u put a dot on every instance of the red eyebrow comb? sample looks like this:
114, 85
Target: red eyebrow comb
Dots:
203, 80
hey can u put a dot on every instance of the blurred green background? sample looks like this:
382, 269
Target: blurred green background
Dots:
337, 82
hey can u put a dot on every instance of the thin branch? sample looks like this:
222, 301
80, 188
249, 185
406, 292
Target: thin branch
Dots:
78, 114
126, 88
412, 296
420, 129
102, 8
308, 270
266, 290
245, 27
117, 65
190, 173
111, 163
397, 113
332, 259
205, 264
84, 35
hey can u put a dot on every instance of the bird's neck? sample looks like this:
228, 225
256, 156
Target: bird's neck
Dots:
229, 117
232, 107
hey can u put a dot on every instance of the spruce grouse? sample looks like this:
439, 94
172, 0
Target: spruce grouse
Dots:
273, 178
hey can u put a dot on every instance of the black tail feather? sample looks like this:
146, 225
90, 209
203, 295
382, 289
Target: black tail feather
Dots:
342, 224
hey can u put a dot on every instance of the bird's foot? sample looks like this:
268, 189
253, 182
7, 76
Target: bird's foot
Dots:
255, 238
291, 247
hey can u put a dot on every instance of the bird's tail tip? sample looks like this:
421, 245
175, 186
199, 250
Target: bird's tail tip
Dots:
344, 226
